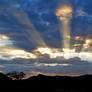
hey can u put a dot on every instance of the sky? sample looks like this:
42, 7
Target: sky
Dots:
44, 19
26, 25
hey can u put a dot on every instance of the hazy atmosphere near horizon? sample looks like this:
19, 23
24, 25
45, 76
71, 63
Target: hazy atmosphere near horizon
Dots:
52, 37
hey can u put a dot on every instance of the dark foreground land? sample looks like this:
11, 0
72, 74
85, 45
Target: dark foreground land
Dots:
43, 83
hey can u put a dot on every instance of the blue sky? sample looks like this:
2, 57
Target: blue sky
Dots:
19, 17
42, 15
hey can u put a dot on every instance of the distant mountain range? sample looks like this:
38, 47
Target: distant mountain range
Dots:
52, 84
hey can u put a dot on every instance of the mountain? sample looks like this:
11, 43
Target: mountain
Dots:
51, 83
4, 77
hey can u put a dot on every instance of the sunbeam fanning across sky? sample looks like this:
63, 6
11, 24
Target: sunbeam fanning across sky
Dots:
25, 23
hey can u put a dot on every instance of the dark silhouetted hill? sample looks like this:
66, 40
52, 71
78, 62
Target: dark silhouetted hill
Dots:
43, 83
62, 84
4, 77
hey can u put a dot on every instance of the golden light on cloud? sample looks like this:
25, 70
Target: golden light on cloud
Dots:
14, 53
77, 45
65, 53
64, 13
9, 52
88, 41
5, 40
4, 37
21, 54
52, 52
87, 44
68, 50
79, 38
55, 53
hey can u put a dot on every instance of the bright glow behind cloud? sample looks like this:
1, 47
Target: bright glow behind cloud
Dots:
65, 53
9, 52
21, 54
5, 40
64, 13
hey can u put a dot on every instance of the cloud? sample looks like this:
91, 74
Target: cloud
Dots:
51, 64
82, 13
9, 52
5, 41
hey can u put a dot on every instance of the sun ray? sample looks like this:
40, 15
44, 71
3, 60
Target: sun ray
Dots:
30, 31
64, 14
